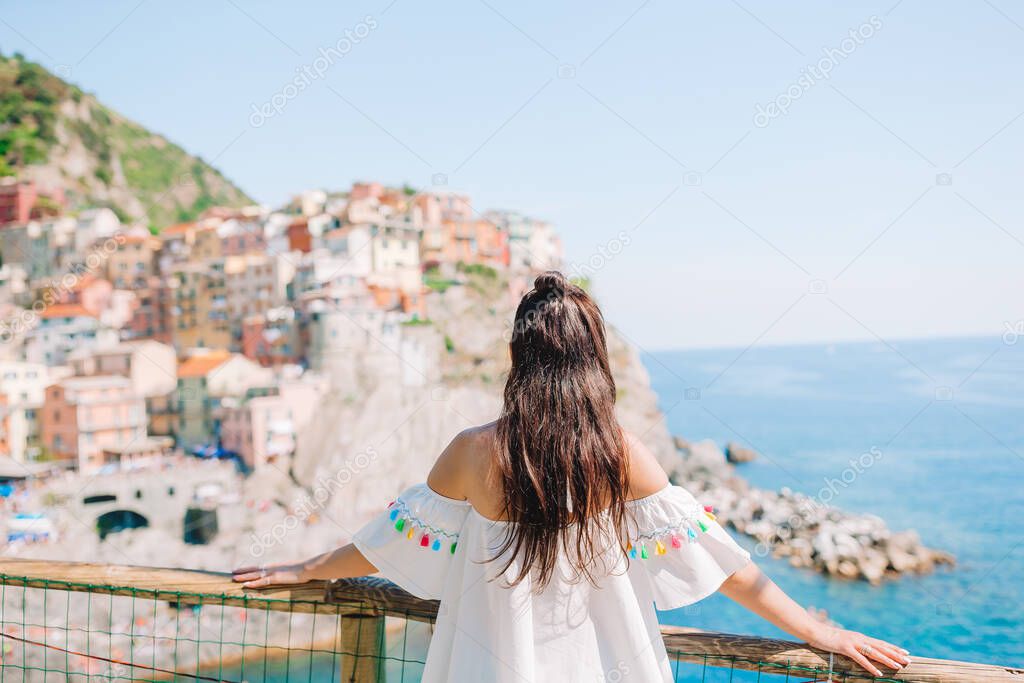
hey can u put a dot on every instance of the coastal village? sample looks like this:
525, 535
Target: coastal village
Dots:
125, 347
207, 336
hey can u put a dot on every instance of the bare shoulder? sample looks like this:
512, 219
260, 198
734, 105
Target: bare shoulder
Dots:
646, 476
462, 463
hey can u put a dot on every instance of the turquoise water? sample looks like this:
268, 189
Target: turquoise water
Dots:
946, 416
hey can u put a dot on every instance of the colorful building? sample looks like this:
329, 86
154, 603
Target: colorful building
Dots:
206, 243
176, 245
151, 315
273, 338
533, 245
134, 260
149, 365
22, 201
23, 386
90, 421
256, 283
204, 380
199, 312
241, 237
61, 329
262, 426
299, 237
90, 292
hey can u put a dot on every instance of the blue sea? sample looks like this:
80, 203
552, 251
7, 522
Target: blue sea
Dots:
946, 417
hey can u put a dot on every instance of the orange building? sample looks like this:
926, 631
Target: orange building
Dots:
299, 238
89, 291
398, 299
5, 427
474, 241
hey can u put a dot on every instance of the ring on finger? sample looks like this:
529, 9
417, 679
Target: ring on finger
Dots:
866, 649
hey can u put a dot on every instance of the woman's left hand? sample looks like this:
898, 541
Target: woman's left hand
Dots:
276, 575
862, 649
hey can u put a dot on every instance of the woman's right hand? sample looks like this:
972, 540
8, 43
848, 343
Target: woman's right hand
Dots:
274, 575
861, 648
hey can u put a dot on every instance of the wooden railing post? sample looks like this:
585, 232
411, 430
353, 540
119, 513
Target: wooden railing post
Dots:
362, 648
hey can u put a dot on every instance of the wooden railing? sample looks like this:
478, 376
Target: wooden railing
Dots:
361, 606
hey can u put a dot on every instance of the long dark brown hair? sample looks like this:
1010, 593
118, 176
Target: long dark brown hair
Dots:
561, 453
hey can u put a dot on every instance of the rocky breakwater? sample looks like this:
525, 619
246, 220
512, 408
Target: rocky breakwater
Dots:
804, 529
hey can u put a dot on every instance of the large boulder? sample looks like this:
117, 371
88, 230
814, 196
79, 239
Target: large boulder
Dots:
705, 460
737, 454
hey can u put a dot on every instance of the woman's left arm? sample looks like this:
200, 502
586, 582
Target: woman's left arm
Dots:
752, 589
345, 562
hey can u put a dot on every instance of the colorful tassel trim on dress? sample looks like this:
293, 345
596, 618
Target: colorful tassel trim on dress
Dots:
426, 535
661, 541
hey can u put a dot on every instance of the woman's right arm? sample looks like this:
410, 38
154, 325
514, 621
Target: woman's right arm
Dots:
755, 591
751, 588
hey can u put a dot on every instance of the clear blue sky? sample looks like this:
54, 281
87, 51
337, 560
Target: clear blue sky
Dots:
649, 123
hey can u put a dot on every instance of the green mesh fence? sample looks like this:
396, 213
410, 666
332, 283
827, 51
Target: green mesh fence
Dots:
67, 631
64, 633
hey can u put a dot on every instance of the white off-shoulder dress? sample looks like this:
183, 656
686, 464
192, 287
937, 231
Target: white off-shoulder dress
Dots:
571, 629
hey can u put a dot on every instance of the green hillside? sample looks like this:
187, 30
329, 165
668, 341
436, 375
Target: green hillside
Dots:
53, 132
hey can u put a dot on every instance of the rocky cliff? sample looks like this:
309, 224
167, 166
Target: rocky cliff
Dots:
380, 433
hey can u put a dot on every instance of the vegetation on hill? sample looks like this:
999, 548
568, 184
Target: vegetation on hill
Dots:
55, 133
29, 96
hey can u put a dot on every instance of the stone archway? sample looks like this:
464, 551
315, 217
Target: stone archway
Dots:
118, 520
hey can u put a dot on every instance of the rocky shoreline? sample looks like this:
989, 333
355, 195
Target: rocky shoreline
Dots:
802, 528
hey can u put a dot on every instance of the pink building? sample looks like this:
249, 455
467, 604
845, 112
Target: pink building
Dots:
20, 201
365, 191
91, 292
272, 338
90, 421
242, 237
262, 426
151, 314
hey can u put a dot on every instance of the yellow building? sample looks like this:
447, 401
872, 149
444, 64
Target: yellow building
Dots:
199, 314
206, 244
134, 260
